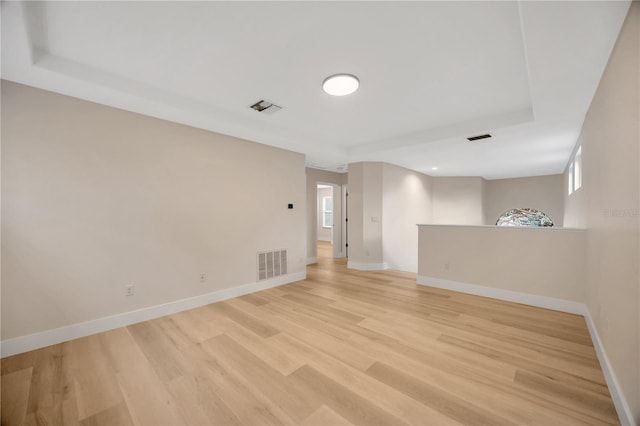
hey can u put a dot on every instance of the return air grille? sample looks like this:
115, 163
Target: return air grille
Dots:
272, 264
265, 107
477, 138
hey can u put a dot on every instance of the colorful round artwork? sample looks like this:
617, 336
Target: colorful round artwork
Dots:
524, 217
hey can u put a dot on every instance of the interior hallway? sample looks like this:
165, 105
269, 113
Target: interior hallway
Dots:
325, 254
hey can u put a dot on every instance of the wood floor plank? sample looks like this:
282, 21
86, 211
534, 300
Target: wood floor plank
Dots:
196, 327
466, 384
116, 415
322, 310
365, 310
163, 355
14, 389
94, 380
307, 297
389, 399
527, 338
355, 408
51, 379
323, 314
17, 362
244, 319
271, 354
326, 337
430, 347
583, 378
565, 357
444, 402
254, 299
63, 413
157, 407
199, 401
122, 350
594, 404
273, 385
325, 416
245, 401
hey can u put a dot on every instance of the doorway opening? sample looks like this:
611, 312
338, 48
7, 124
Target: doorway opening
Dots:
325, 217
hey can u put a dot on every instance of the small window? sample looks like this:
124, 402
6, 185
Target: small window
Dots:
327, 212
571, 178
575, 172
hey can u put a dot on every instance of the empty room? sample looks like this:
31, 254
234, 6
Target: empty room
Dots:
320, 213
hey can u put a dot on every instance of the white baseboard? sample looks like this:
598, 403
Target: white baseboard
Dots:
367, 266
508, 295
620, 402
312, 260
74, 331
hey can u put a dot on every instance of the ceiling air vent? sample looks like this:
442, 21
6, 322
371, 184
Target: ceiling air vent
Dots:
477, 138
265, 107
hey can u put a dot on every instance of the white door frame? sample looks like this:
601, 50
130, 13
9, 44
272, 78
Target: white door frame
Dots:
344, 249
339, 250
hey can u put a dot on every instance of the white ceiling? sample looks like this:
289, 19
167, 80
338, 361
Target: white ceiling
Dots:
431, 73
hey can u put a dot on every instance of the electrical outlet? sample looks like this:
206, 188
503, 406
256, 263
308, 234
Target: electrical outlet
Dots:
203, 278
128, 290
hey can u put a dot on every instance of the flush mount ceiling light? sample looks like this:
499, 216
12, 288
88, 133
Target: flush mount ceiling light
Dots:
341, 84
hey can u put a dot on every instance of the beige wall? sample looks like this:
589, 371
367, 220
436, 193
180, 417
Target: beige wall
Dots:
543, 262
313, 178
608, 204
365, 214
355, 212
94, 198
545, 193
406, 200
324, 234
457, 200
372, 209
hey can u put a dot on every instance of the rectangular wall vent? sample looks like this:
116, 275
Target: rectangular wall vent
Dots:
272, 264
476, 138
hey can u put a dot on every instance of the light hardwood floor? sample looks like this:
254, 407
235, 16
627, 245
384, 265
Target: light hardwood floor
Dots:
342, 347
